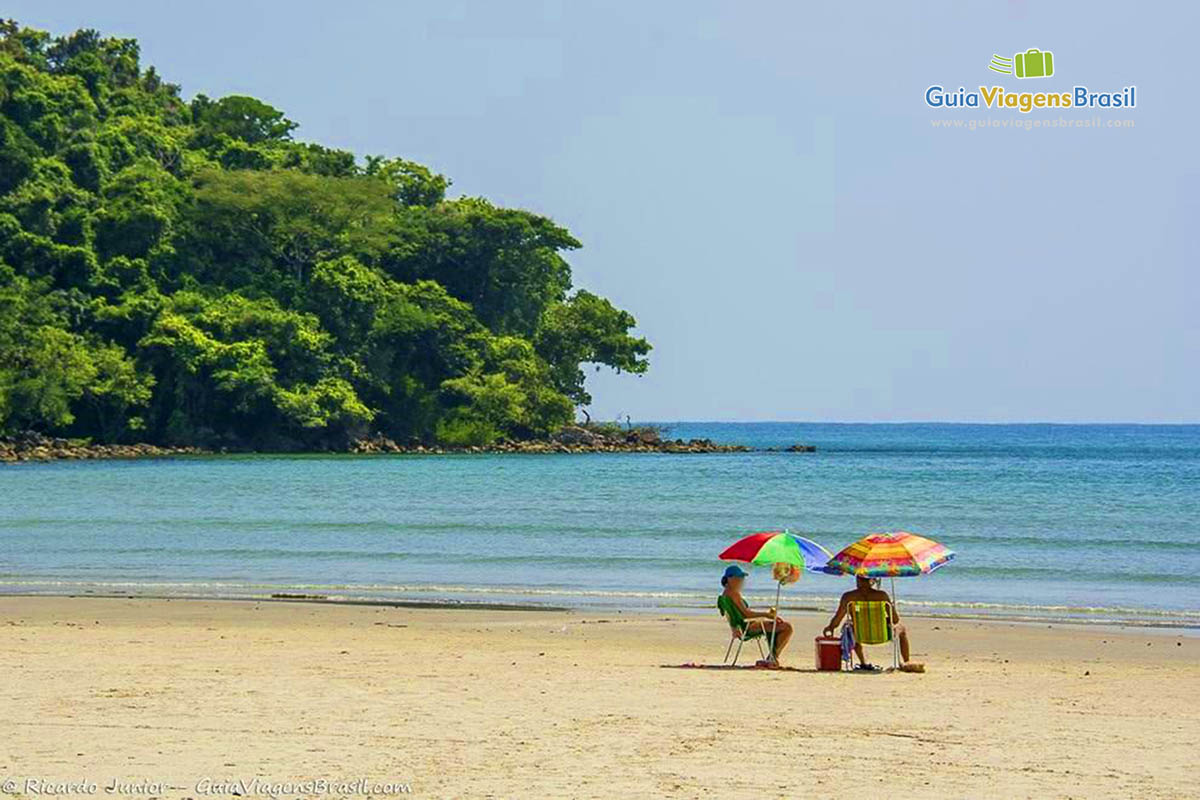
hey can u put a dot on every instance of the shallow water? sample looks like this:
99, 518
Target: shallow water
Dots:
1096, 523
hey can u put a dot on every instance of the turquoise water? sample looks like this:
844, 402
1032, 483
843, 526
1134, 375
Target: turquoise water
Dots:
1097, 523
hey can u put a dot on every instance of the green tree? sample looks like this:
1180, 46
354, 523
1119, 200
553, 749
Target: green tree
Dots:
412, 184
138, 211
188, 272
279, 221
506, 263
507, 395
245, 118
588, 329
17, 155
48, 374
247, 370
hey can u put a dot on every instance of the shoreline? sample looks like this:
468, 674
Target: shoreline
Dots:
479, 703
1079, 621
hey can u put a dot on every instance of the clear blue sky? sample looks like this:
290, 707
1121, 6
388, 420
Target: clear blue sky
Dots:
761, 185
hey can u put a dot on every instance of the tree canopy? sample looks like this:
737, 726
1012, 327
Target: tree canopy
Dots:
189, 273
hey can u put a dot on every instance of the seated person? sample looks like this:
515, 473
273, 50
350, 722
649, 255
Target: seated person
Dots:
865, 590
756, 621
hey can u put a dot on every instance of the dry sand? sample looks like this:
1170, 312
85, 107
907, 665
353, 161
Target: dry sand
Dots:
468, 703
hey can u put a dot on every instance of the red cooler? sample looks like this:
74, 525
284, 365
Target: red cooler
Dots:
829, 654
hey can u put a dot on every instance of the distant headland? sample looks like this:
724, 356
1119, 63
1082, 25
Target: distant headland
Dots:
187, 276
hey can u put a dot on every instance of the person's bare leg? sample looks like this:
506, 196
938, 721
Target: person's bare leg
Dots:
862, 659
782, 637
764, 626
905, 653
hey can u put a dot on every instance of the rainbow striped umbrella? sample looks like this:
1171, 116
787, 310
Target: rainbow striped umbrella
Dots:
890, 555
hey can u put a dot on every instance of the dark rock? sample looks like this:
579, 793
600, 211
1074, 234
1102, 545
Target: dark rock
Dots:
32, 446
575, 435
648, 436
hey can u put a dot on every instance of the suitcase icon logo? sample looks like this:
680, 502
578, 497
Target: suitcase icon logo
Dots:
1033, 63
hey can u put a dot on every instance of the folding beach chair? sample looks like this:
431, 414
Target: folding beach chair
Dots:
738, 630
871, 623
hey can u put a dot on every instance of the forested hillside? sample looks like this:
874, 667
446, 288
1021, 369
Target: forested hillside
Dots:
189, 273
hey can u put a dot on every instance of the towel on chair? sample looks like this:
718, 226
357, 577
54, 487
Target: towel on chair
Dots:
847, 643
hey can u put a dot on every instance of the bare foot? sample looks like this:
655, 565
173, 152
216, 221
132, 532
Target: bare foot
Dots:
912, 666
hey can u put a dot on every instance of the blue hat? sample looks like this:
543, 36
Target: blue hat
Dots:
733, 571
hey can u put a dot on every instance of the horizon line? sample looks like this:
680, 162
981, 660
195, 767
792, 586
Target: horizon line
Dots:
1108, 423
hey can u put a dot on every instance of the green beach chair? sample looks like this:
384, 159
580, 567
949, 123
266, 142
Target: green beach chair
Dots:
737, 630
871, 622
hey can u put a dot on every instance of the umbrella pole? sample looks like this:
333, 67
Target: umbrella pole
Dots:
775, 619
896, 611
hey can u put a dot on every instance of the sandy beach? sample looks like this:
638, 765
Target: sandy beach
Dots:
186, 698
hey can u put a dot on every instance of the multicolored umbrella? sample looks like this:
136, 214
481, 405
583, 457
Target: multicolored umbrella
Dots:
776, 547
890, 555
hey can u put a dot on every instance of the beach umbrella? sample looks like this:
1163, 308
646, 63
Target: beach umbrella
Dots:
890, 555
773, 547
765, 548
770, 548
815, 556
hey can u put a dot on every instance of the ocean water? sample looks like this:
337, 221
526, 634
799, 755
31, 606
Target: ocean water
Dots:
1090, 523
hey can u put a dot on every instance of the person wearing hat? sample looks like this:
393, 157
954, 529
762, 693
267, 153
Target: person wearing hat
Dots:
756, 621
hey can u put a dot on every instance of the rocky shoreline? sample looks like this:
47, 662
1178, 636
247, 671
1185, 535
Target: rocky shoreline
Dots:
30, 446
572, 439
